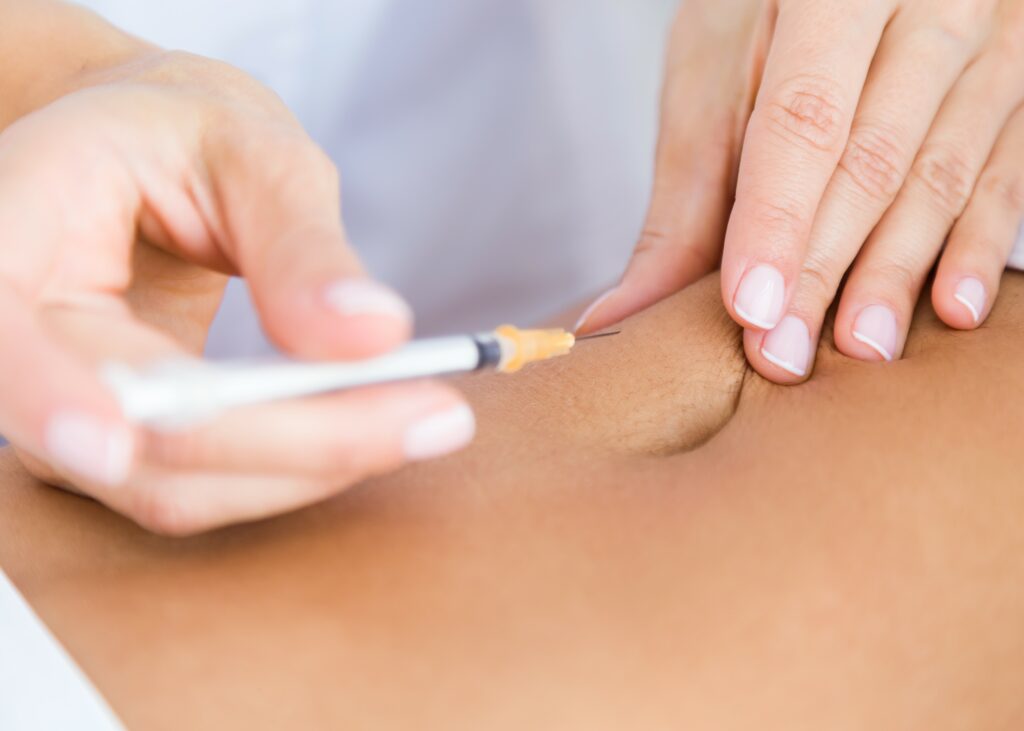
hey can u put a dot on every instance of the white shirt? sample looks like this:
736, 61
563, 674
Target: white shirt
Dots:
40, 687
496, 155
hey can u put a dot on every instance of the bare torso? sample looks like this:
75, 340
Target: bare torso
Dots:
644, 536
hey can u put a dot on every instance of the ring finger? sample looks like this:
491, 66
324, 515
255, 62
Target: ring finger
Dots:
982, 240
878, 301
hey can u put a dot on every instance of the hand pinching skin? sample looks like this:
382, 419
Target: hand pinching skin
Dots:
844, 140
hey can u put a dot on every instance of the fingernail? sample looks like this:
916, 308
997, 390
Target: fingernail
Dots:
440, 434
789, 346
970, 292
876, 328
593, 308
760, 297
363, 297
87, 448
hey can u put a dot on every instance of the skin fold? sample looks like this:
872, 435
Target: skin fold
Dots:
644, 535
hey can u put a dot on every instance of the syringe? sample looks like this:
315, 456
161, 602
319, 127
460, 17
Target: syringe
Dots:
178, 394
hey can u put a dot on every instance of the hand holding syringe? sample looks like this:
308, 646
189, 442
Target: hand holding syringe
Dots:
179, 394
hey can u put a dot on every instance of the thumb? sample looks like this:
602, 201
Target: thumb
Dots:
280, 200
680, 243
715, 57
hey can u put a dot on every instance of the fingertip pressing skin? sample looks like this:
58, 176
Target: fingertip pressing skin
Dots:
875, 327
970, 293
760, 297
789, 347
794, 140
962, 302
949, 209
967, 280
987, 238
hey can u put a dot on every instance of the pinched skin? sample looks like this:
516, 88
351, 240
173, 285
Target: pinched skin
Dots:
645, 535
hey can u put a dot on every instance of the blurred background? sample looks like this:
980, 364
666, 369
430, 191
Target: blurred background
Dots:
496, 155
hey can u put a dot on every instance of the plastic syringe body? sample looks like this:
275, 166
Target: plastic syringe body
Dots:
178, 394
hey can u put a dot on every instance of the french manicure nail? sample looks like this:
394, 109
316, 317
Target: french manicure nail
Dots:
87, 448
593, 308
760, 297
875, 326
970, 292
789, 346
440, 434
363, 297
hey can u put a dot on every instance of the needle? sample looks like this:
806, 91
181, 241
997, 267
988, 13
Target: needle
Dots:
598, 335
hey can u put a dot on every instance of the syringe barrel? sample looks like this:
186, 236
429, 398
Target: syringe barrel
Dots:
178, 394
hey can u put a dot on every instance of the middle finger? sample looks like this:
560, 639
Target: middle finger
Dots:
912, 73
884, 286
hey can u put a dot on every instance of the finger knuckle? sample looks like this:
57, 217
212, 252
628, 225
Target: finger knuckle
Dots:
978, 250
819, 279
1010, 52
1007, 189
652, 240
1005, 43
808, 111
875, 161
182, 69
896, 275
652, 243
780, 222
946, 177
965, 23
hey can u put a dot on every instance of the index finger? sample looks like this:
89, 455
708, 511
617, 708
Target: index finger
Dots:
280, 199
816, 69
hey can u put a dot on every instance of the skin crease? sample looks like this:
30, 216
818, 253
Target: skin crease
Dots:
645, 535
834, 142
